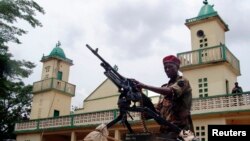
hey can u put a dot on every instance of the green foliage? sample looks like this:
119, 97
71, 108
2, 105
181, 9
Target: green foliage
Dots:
15, 96
11, 11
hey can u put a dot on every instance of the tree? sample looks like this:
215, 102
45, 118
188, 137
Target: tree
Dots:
15, 96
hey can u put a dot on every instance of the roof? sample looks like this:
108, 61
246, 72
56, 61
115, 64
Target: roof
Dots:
206, 9
57, 53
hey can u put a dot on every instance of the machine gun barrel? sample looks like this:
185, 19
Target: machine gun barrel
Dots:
97, 55
110, 72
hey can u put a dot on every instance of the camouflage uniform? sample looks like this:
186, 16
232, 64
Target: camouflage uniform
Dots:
176, 108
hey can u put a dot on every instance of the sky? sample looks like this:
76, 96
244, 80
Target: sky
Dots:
133, 34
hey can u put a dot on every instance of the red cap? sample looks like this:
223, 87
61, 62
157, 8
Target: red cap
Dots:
171, 59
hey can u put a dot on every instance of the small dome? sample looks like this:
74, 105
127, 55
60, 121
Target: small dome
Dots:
206, 9
57, 51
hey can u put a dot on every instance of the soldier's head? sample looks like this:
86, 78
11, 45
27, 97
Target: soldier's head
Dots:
171, 65
236, 83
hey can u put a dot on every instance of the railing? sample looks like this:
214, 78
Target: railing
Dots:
72, 120
209, 55
205, 17
201, 17
53, 83
55, 56
221, 103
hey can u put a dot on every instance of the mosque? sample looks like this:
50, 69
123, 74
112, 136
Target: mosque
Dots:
210, 67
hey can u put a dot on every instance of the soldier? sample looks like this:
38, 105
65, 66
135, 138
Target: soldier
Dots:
237, 88
175, 100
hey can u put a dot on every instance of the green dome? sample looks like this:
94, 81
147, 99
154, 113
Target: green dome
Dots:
206, 9
57, 51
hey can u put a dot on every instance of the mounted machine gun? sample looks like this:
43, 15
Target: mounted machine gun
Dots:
130, 93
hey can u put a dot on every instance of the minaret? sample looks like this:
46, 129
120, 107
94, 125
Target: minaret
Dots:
52, 94
210, 66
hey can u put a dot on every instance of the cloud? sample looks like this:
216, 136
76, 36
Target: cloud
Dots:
77, 100
134, 28
133, 34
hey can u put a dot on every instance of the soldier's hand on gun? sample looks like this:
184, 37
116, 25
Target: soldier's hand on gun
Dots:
138, 84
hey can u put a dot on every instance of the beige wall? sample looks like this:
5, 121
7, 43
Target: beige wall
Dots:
44, 104
209, 121
55, 66
28, 137
49, 74
213, 32
105, 97
105, 104
216, 75
107, 88
65, 68
101, 104
205, 122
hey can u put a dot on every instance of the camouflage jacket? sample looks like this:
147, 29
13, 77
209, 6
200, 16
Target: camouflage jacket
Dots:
176, 107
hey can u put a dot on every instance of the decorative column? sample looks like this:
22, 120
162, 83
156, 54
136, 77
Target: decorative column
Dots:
73, 136
117, 135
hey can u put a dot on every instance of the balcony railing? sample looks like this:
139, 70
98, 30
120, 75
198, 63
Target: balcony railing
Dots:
201, 17
77, 120
53, 83
215, 104
221, 103
57, 57
209, 55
